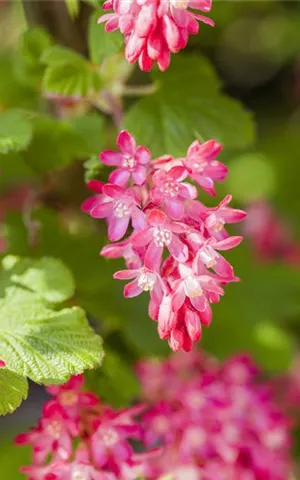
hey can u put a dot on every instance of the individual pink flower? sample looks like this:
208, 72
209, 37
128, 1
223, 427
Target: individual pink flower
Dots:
216, 218
131, 161
170, 191
154, 29
202, 165
118, 206
124, 249
159, 234
145, 280
52, 435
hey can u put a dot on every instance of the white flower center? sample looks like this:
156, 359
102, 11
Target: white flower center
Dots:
109, 437
200, 165
162, 237
180, 3
54, 429
170, 188
208, 256
146, 281
79, 474
128, 162
121, 210
192, 287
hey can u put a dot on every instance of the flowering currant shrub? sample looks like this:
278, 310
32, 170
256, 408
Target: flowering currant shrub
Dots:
117, 403
173, 249
213, 421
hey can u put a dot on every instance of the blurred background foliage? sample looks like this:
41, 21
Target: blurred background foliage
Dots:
65, 88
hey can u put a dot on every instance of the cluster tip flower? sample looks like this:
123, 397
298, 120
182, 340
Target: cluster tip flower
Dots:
153, 29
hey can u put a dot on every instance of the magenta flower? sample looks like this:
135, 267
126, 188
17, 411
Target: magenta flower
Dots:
118, 206
202, 165
131, 161
154, 29
145, 280
170, 191
159, 234
124, 249
216, 218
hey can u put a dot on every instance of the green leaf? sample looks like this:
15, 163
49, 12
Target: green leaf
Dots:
93, 168
33, 43
168, 122
11, 457
55, 144
68, 73
15, 131
90, 128
14, 169
13, 388
102, 44
47, 276
73, 7
45, 345
57, 55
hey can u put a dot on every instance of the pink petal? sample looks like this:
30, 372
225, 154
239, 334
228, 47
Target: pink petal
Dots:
143, 155
178, 298
223, 267
153, 256
146, 20
164, 60
175, 208
138, 219
101, 210
132, 289
89, 203
193, 325
120, 176
189, 191
166, 317
228, 243
204, 19
114, 191
125, 274
106, 17
232, 215
117, 227
199, 302
156, 217
95, 186
140, 175
178, 249
140, 239
110, 158
126, 143
206, 315
112, 24
145, 62
178, 173
176, 340
171, 33
181, 16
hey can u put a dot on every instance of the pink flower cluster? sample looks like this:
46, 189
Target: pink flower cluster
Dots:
153, 29
215, 422
79, 438
173, 250
271, 238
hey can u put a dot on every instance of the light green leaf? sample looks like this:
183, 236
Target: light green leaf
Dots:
15, 131
168, 122
68, 73
13, 390
71, 80
47, 276
102, 44
73, 7
33, 43
45, 345
57, 55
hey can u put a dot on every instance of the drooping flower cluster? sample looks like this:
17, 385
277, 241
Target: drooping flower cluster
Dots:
215, 422
270, 236
79, 438
173, 251
153, 29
